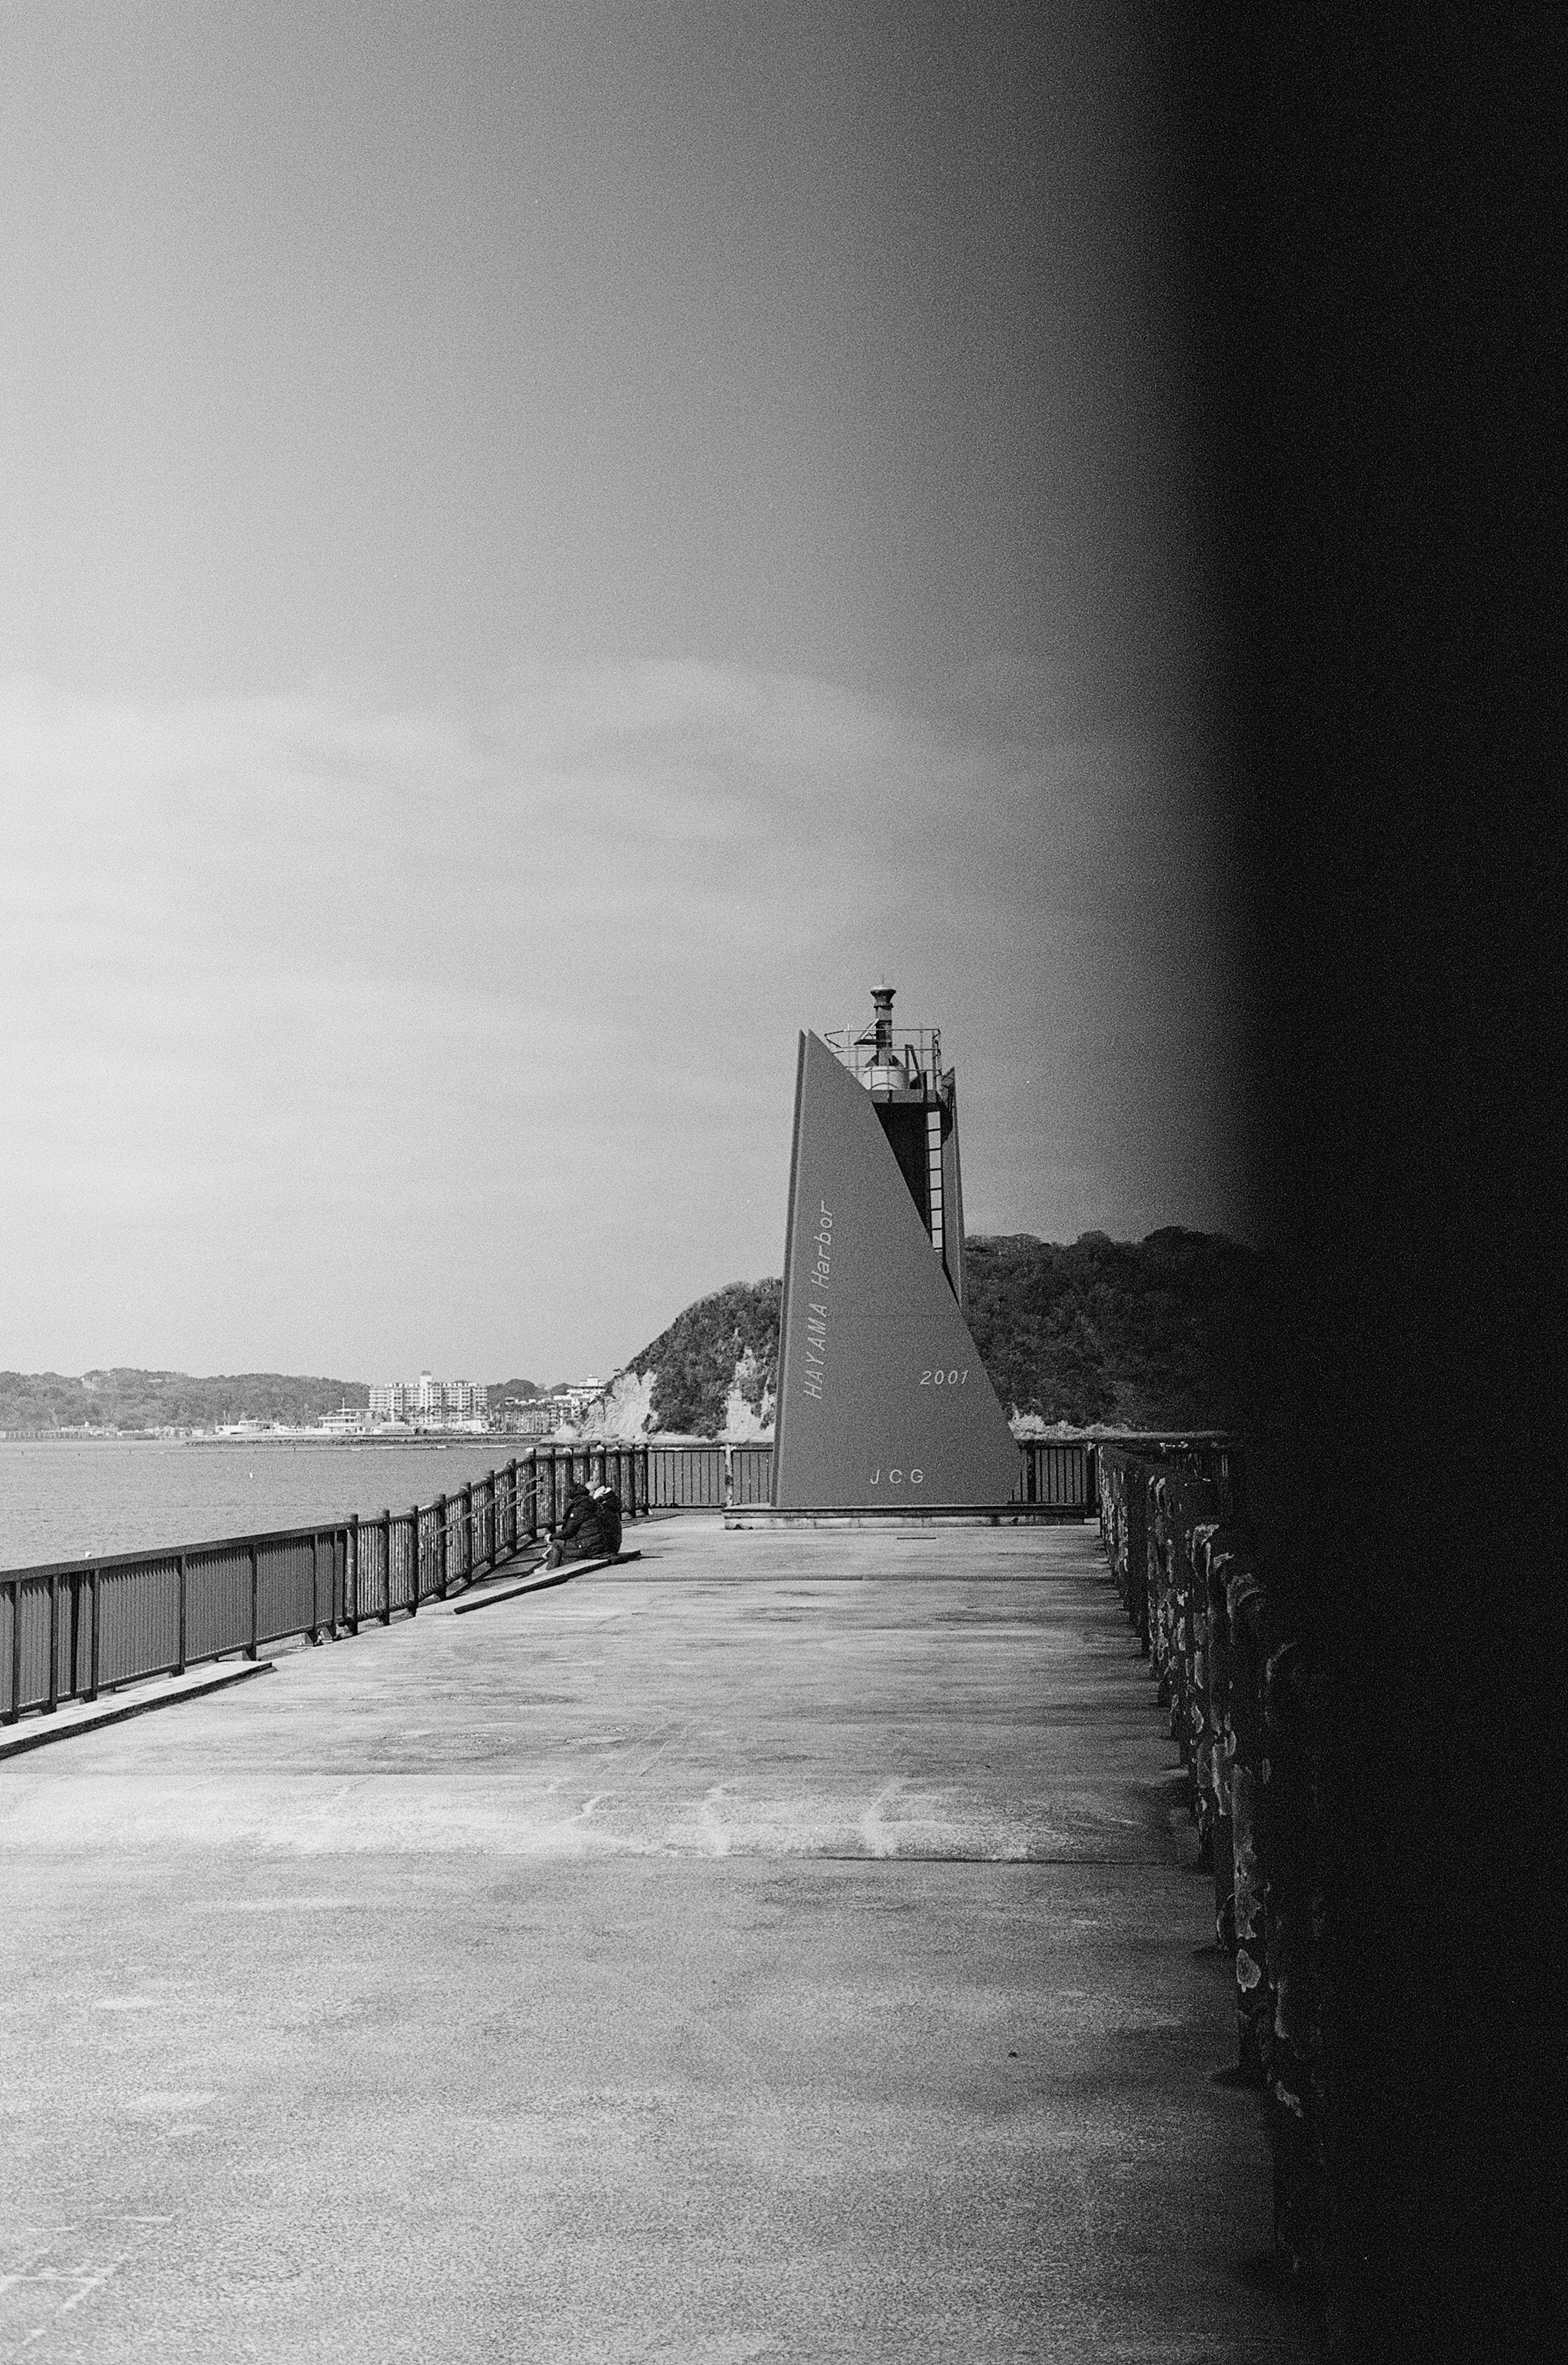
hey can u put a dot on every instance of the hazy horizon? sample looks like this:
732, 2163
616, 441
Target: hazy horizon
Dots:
546, 557
412, 1370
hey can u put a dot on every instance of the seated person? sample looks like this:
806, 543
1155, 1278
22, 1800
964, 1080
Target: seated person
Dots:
590, 1529
609, 1503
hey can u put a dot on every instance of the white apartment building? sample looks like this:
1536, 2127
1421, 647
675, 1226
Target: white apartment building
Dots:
429, 1403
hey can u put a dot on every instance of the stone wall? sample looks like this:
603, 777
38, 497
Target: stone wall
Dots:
1245, 1710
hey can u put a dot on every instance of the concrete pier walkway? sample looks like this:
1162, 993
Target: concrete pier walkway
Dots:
787, 1948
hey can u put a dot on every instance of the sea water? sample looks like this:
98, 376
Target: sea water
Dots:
64, 1498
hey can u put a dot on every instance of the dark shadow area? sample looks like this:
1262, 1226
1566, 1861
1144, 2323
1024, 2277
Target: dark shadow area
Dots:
1372, 204
533, 1583
1267, 2274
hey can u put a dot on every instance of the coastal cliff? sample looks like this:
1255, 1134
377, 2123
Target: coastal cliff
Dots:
1149, 1334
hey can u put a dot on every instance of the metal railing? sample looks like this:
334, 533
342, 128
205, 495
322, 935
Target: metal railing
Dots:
689, 1477
1054, 1476
916, 1049
70, 1630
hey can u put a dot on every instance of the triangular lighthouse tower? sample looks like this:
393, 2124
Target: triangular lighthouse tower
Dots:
884, 1402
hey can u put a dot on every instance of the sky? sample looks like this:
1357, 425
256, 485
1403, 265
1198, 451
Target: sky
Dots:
547, 550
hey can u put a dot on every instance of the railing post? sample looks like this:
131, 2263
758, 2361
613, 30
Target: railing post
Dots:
351, 1592
255, 1590
16, 1708
180, 1571
386, 1566
511, 1490
468, 1530
92, 1642
54, 1641
315, 1589
729, 1477
441, 1544
414, 1565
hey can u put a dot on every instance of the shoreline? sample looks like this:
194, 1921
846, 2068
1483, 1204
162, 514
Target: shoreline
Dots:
426, 1438
492, 1439
480, 1441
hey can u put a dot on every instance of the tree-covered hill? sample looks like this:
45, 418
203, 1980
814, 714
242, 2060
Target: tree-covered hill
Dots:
1150, 1334
726, 1342
133, 1399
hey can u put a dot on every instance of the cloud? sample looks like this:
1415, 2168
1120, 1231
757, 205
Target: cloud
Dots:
344, 1036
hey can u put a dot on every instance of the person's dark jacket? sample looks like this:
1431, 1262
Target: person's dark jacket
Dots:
592, 1523
580, 1530
609, 1503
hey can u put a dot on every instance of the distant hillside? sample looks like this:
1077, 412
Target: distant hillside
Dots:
133, 1399
716, 1367
1153, 1334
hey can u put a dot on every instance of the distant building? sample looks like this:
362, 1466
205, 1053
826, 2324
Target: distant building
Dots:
536, 1418
346, 1421
428, 1403
542, 1416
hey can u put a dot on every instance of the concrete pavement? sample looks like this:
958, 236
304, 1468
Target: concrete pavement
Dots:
789, 1947
74, 1716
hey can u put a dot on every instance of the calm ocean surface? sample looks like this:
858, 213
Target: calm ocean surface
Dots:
61, 1501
